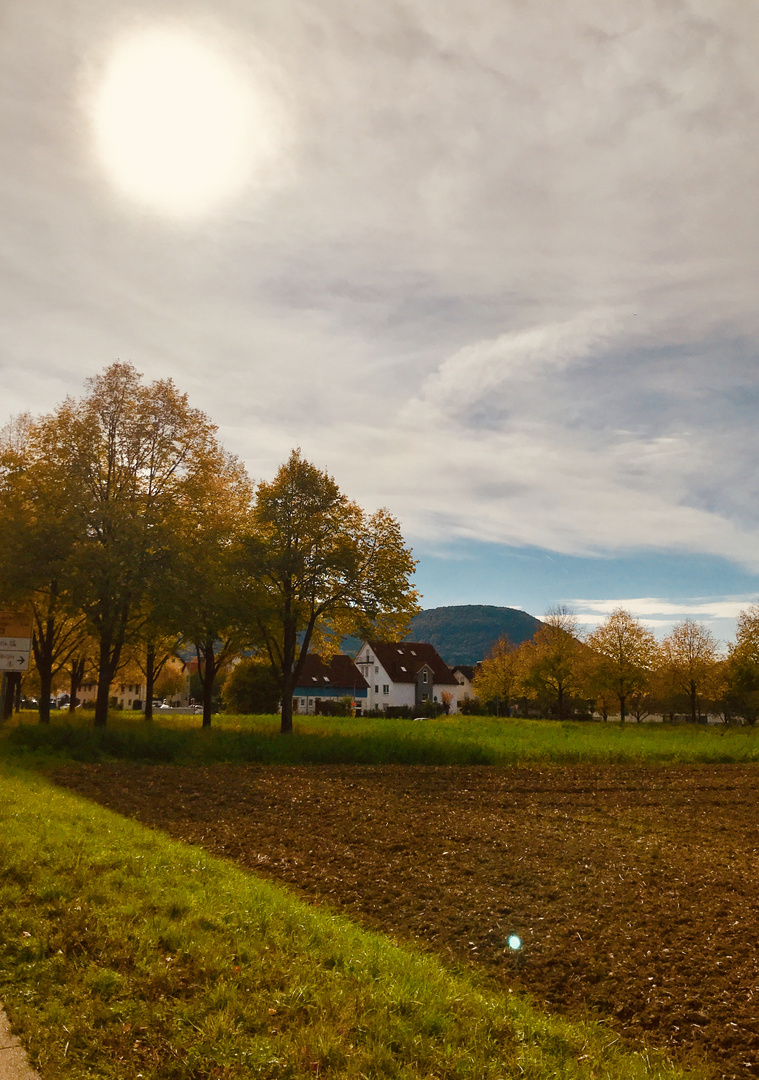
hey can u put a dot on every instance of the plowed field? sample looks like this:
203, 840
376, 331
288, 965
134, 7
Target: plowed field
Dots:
635, 891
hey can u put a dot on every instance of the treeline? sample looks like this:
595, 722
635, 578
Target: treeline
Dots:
621, 669
127, 530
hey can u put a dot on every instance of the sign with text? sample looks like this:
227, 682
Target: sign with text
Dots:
15, 640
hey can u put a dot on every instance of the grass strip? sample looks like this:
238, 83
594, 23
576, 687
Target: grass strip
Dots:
368, 741
126, 954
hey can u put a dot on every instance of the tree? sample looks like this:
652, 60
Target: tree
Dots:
320, 568
126, 449
624, 652
207, 592
498, 675
741, 669
251, 687
38, 537
689, 656
552, 660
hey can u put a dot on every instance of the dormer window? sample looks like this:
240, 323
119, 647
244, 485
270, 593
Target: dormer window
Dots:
424, 675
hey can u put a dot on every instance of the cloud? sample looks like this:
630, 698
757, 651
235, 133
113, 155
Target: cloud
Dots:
660, 614
504, 282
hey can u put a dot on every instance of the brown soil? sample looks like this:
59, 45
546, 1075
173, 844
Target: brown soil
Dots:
635, 891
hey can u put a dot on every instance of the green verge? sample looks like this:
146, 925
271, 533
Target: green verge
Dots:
126, 954
367, 741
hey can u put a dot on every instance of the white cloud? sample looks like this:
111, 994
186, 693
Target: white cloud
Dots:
504, 284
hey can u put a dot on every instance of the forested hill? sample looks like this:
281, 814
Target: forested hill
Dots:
464, 634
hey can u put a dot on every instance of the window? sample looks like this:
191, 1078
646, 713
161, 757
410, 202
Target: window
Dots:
376, 670
376, 689
424, 675
386, 688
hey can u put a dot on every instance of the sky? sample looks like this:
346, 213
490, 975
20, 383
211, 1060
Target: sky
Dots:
493, 266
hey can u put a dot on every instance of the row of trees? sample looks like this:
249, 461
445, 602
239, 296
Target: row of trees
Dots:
620, 668
126, 529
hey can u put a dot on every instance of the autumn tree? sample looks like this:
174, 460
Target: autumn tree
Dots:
319, 568
127, 448
38, 535
251, 687
552, 660
497, 677
623, 653
741, 668
209, 598
689, 657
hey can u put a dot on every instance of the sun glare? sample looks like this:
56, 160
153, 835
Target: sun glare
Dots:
177, 127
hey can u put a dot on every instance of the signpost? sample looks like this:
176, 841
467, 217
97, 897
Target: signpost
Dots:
15, 640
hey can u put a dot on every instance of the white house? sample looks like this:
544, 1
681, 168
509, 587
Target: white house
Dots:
464, 674
406, 673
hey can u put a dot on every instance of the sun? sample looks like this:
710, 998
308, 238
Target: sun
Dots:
176, 126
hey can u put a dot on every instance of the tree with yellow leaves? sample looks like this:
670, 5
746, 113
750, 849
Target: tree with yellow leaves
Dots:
689, 659
622, 656
319, 568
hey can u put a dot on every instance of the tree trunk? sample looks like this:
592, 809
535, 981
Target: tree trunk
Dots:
42, 647
286, 727
46, 687
17, 695
149, 681
561, 702
693, 703
77, 674
207, 673
289, 674
622, 709
108, 662
10, 687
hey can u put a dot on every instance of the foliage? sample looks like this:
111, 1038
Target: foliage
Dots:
319, 568
623, 653
552, 662
689, 663
498, 679
466, 633
251, 687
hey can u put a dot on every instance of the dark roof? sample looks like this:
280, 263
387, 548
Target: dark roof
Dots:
402, 661
338, 672
467, 670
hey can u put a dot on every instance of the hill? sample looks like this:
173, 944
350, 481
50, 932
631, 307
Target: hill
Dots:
465, 633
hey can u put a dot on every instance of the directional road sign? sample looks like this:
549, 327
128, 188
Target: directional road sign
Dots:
14, 660
15, 640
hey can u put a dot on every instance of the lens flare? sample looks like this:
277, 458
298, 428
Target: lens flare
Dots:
514, 942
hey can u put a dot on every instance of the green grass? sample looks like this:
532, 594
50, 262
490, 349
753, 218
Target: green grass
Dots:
124, 954
322, 740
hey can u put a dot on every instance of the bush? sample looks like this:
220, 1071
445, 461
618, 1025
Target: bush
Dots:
252, 689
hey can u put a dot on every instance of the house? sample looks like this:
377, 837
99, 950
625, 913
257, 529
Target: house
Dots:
406, 673
329, 680
464, 674
171, 685
124, 695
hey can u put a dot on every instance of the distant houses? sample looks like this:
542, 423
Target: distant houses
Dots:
326, 682
383, 675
